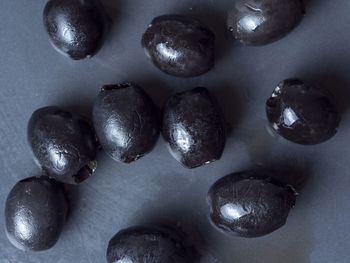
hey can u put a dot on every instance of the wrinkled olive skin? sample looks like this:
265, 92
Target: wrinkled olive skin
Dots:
35, 212
76, 28
250, 204
126, 122
259, 22
63, 144
302, 113
147, 244
180, 46
193, 126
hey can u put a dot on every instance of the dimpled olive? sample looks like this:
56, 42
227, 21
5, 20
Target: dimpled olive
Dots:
302, 113
180, 46
193, 126
63, 144
35, 212
126, 121
259, 22
76, 28
250, 204
147, 244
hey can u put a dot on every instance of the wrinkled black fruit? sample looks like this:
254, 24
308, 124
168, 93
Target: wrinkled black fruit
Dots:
76, 28
63, 144
147, 244
250, 204
180, 46
194, 128
259, 22
35, 212
126, 121
302, 113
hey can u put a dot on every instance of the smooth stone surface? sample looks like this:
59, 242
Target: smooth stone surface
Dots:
117, 196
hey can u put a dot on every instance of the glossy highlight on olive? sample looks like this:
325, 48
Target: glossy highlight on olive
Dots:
259, 22
303, 113
179, 45
147, 244
126, 121
193, 127
35, 212
76, 28
250, 204
63, 144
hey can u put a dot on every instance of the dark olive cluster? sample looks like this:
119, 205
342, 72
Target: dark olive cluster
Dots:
126, 124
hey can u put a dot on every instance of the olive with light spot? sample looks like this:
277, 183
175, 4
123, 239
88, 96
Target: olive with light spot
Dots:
179, 45
303, 113
250, 204
63, 144
35, 212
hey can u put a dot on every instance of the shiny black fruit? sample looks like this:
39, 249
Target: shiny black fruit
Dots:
126, 121
259, 22
180, 46
250, 204
194, 128
63, 144
35, 212
302, 113
76, 28
147, 244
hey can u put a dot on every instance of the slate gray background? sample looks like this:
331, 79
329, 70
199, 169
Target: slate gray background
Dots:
157, 188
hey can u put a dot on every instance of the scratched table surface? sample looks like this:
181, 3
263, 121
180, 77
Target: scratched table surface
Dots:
156, 188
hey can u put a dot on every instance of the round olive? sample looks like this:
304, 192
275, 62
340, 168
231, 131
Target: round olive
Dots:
126, 121
193, 126
147, 244
180, 46
35, 212
76, 28
302, 113
259, 22
250, 204
63, 144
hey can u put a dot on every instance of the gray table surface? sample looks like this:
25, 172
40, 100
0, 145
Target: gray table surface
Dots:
156, 187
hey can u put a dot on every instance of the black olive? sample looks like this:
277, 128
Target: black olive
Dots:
126, 121
76, 28
193, 126
35, 212
250, 204
63, 144
180, 46
147, 244
302, 113
259, 22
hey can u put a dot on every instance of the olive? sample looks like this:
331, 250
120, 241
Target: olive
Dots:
63, 144
250, 204
126, 121
76, 28
302, 113
142, 244
35, 212
259, 22
193, 126
180, 46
